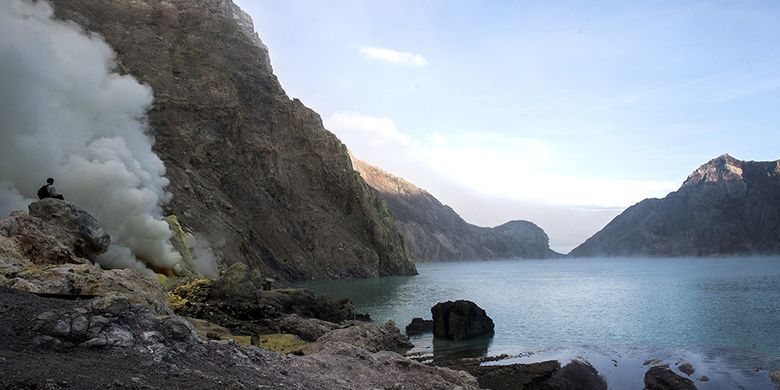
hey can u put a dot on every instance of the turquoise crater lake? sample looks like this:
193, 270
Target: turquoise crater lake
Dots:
722, 314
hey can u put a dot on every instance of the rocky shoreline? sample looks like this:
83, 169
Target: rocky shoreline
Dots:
66, 323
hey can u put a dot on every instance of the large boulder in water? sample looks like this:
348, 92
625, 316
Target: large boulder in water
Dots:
663, 378
460, 320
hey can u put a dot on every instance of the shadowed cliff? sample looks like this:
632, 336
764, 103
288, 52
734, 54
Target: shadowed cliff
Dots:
727, 206
433, 231
252, 170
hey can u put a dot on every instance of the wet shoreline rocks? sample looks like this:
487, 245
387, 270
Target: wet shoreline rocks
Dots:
663, 378
545, 375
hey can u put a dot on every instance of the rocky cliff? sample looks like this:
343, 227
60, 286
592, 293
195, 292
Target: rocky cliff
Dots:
726, 206
252, 170
433, 231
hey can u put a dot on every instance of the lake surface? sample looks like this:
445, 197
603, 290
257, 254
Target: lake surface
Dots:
721, 314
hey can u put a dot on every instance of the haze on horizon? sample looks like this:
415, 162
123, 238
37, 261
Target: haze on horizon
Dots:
561, 114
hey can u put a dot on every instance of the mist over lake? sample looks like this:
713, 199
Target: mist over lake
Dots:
721, 312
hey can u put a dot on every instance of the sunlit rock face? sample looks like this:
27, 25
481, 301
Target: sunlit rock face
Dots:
433, 231
253, 171
726, 206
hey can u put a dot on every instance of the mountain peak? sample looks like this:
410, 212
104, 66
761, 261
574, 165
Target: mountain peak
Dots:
720, 169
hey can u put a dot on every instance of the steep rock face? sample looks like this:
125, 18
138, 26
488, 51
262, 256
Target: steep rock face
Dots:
433, 231
251, 169
726, 206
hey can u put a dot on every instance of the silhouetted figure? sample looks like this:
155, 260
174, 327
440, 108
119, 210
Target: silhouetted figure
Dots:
48, 191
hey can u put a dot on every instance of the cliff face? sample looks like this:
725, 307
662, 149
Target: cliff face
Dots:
726, 206
252, 170
433, 231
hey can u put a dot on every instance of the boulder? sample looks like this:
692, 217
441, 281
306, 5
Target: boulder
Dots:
663, 378
460, 320
577, 375
371, 337
36, 241
419, 326
87, 280
87, 238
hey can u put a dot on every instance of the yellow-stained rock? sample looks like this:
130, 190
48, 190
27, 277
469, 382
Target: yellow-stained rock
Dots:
194, 292
280, 343
178, 239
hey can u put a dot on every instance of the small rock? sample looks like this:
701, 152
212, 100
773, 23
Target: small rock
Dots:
79, 324
652, 362
62, 328
686, 367
419, 326
577, 375
663, 378
119, 337
704, 378
95, 342
48, 316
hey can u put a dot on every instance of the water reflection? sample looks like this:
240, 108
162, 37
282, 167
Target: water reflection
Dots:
446, 350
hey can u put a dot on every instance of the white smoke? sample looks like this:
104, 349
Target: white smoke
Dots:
65, 114
205, 259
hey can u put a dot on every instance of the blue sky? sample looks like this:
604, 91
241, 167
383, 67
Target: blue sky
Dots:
562, 113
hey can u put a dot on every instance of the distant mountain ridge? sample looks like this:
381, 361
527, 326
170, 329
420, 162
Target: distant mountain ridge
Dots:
726, 206
433, 231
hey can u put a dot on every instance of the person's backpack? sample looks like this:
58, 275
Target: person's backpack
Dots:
43, 192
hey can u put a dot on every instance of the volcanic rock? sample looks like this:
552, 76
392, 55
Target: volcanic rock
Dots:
252, 170
512, 376
49, 253
577, 375
663, 378
727, 206
460, 320
371, 337
87, 237
433, 231
135, 349
686, 367
53, 232
254, 311
419, 326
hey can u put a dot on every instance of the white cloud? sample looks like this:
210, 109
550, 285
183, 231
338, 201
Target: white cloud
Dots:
491, 164
393, 56
359, 128
490, 178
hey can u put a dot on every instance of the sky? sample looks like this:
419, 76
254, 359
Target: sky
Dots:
561, 113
